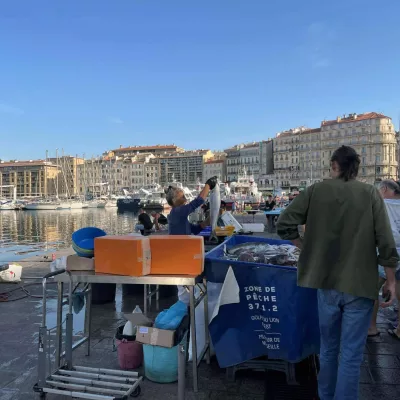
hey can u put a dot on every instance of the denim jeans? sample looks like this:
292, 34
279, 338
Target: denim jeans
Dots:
344, 320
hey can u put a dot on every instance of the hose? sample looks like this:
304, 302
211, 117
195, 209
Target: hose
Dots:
5, 296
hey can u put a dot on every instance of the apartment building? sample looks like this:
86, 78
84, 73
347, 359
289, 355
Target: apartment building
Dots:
90, 177
302, 155
243, 157
214, 168
185, 167
265, 180
31, 178
250, 159
374, 138
233, 163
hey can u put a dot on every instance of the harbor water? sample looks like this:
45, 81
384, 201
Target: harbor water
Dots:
28, 233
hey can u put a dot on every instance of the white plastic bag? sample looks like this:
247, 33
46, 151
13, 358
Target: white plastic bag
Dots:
12, 274
213, 290
59, 263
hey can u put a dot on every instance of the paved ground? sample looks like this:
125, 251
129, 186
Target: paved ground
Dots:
19, 323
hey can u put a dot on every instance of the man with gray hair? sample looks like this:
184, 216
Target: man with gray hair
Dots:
390, 191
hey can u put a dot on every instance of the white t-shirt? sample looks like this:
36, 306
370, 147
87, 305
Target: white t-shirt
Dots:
393, 210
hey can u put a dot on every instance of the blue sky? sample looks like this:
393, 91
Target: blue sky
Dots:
90, 75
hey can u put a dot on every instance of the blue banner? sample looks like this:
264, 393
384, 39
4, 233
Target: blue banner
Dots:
273, 317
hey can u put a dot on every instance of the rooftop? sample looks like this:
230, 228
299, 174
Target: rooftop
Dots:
214, 162
29, 163
298, 131
354, 117
160, 147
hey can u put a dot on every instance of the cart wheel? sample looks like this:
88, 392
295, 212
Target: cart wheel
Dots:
136, 392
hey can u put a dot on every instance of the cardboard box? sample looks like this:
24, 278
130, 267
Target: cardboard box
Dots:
162, 337
76, 263
177, 255
122, 255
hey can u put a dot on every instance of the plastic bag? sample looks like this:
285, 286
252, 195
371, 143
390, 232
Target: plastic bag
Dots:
58, 264
12, 274
170, 319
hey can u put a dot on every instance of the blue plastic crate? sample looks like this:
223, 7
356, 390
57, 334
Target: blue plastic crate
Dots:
273, 316
216, 267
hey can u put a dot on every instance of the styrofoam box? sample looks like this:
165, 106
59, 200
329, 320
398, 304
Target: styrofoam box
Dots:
253, 227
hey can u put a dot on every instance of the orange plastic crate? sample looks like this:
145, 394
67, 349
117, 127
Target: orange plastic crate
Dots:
122, 255
177, 255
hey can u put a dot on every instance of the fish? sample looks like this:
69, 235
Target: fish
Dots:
263, 253
215, 205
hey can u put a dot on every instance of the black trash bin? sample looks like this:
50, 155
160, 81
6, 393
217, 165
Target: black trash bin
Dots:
103, 293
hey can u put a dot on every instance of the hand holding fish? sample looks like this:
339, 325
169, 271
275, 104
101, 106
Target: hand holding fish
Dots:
212, 182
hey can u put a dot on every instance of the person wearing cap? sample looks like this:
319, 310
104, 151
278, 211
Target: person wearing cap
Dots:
178, 223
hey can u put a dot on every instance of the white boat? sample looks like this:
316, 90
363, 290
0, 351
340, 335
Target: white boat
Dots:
111, 203
245, 190
42, 205
71, 205
9, 205
95, 204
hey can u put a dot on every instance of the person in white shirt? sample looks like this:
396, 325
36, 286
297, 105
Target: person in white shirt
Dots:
390, 191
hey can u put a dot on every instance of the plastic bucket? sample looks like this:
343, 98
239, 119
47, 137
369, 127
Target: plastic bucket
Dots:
160, 363
130, 352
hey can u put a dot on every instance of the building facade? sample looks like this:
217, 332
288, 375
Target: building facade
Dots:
214, 168
250, 159
233, 164
265, 180
372, 135
185, 167
68, 177
32, 178
302, 155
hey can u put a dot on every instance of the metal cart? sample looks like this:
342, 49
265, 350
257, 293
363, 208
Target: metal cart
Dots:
105, 384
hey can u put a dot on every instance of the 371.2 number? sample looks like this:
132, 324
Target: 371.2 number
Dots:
257, 306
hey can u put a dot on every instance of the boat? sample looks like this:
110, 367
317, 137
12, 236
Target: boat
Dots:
96, 203
8, 205
72, 205
244, 191
112, 203
42, 205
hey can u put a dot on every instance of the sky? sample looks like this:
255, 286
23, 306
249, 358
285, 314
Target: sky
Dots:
90, 75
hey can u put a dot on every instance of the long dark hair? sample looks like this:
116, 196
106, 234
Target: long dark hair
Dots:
348, 161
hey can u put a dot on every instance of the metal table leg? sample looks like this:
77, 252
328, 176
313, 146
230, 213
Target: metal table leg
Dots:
145, 300
182, 369
193, 336
60, 288
88, 317
206, 319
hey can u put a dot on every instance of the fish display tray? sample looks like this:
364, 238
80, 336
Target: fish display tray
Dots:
216, 267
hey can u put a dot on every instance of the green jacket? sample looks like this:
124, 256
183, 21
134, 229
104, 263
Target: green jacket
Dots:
345, 223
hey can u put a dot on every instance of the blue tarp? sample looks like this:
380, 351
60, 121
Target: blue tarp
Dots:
274, 317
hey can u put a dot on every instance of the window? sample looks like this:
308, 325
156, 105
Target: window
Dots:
378, 170
363, 160
363, 170
378, 158
363, 150
377, 129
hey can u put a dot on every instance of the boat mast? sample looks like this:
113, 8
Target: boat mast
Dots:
57, 174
